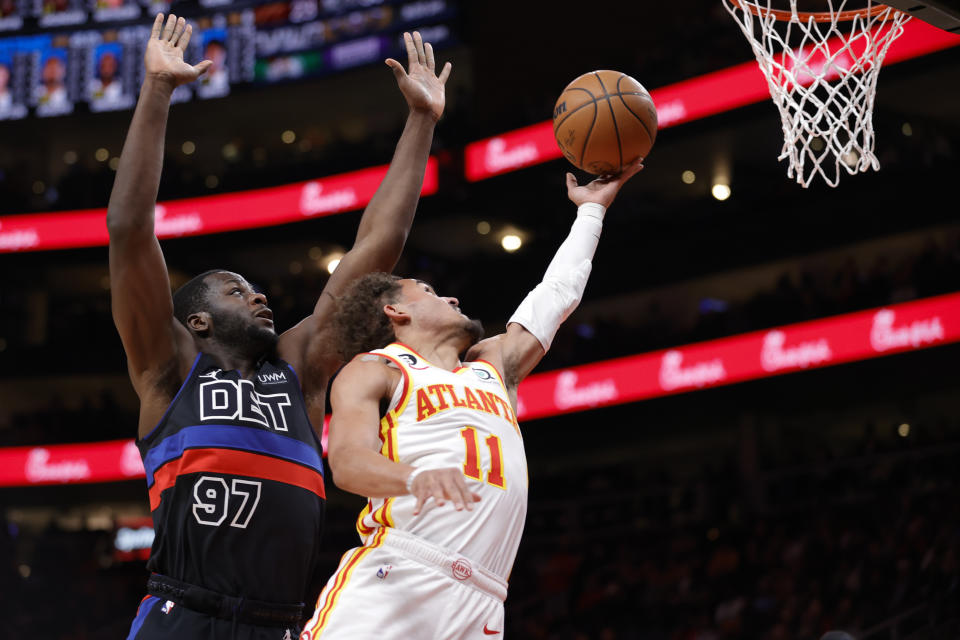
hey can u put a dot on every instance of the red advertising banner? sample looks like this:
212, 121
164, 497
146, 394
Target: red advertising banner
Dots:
678, 103
70, 463
208, 214
808, 345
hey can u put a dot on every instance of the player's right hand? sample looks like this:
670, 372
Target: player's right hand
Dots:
601, 190
443, 485
420, 84
164, 56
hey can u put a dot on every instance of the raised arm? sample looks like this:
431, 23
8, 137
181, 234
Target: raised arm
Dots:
140, 287
354, 444
386, 221
531, 329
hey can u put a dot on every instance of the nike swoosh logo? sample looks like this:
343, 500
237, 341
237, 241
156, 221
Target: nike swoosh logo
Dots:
488, 632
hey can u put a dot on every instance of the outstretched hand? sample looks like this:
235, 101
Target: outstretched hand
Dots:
420, 84
164, 56
602, 190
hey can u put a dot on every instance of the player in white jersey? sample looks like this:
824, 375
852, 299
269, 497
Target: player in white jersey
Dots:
433, 443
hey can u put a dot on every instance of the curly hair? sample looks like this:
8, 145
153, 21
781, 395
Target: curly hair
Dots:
360, 323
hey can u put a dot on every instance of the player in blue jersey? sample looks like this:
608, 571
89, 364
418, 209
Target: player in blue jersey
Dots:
233, 463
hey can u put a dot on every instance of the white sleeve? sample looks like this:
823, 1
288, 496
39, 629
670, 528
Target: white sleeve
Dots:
555, 298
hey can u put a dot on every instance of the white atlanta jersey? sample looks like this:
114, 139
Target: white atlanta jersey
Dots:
462, 419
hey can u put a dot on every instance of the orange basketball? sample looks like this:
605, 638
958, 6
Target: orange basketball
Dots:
603, 121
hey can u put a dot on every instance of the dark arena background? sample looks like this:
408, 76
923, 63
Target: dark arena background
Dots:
750, 428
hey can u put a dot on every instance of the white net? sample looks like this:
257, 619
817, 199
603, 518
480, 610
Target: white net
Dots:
822, 76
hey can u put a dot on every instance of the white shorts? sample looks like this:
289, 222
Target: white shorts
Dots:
401, 586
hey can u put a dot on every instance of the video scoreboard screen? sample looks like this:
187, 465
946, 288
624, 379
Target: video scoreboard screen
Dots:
58, 57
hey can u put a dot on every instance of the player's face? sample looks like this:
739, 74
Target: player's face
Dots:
425, 302
437, 312
240, 314
215, 53
108, 67
53, 72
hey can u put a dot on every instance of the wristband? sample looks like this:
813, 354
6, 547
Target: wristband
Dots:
592, 210
413, 474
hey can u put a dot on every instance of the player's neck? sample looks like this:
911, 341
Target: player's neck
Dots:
229, 360
443, 353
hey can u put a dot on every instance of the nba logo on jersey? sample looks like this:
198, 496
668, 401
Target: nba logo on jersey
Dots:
167, 606
383, 571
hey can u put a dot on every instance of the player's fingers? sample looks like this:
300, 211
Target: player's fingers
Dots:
411, 49
201, 67
466, 496
445, 73
185, 38
571, 181
397, 68
631, 170
157, 26
455, 492
428, 52
418, 44
421, 498
178, 31
168, 30
476, 497
438, 495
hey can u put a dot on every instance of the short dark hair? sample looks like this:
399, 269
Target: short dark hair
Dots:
360, 323
192, 296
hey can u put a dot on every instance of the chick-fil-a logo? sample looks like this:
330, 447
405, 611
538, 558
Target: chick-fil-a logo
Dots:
885, 335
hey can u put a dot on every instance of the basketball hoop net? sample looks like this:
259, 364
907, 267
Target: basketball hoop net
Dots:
821, 69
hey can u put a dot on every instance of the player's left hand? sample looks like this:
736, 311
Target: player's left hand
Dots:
420, 84
163, 58
602, 190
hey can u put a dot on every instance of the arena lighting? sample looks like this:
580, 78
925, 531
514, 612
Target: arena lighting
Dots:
688, 177
851, 337
685, 101
188, 147
334, 262
511, 242
903, 430
720, 191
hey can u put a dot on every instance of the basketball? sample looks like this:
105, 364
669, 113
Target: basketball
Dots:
603, 121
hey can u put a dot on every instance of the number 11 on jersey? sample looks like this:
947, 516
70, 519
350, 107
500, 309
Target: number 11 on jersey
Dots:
471, 464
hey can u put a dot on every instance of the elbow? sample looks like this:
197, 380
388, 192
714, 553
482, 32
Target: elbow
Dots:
119, 228
122, 224
343, 476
